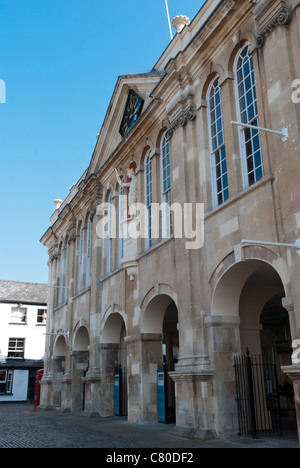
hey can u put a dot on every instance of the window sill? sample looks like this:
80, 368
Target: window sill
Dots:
265, 180
155, 247
17, 323
80, 293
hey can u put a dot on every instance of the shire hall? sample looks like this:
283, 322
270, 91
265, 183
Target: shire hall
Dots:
140, 325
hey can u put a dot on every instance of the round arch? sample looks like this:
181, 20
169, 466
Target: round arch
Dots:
112, 325
232, 276
244, 38
60, 347
154, 306
81, 340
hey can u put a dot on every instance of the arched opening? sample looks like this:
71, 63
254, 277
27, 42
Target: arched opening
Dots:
248, 297
170, 355
81, 341
59, 365
114, 363
261, 286
60, 347
80, 363
161, 320
276, 346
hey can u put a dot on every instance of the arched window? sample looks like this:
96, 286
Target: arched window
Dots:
88, 253
253, 168
67, 270
60, 269
122, 216
109, 246
217, 144
167, 228
80, 259
148, 199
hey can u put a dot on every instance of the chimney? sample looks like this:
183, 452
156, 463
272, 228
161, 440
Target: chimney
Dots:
179, 22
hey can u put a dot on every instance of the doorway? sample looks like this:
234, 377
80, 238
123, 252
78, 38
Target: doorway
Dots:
160, 349
247, 295
170, 350
266, 342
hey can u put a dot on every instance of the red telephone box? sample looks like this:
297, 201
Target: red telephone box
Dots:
37, 388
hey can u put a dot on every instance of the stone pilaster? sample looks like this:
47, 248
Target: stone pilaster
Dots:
293, 372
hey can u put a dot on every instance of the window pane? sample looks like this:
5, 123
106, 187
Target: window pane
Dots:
247, 102
217, 143
166, 186
16, 348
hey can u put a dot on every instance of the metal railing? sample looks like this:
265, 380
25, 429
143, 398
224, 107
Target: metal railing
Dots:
257, 396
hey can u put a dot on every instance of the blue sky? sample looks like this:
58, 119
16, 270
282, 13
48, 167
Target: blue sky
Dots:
60, 60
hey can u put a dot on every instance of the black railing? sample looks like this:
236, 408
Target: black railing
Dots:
257, 396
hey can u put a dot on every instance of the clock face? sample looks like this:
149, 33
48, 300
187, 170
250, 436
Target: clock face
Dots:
132, 112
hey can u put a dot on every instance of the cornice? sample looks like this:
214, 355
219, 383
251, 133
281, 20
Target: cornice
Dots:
269, 14
181, 121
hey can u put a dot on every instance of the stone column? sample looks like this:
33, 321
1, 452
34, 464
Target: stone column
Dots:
293, 372
194, 394
58, 371
223, 333
109, 358
144, 353
80, 363
92, 380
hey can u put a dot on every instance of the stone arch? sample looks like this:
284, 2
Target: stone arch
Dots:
154, 306
213, 72
162, 131
232, 275
112, 324
60, 347
81, 339
241, 39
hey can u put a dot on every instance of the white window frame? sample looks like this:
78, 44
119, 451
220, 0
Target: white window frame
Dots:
60, 278
109, 238
67, 269
148, 200
219, 174
88, 253
16, 349
8, 381
121, 219
41, 313
250, 176
80, 259
165, 159
18, 315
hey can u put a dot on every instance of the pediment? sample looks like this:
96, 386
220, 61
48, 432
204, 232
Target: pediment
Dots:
110, 137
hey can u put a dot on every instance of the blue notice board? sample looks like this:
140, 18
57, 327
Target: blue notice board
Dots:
161, 396
117, 394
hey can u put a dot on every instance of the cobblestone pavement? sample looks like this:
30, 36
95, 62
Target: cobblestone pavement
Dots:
21, 427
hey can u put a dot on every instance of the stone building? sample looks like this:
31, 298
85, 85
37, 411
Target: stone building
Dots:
23, 316
187, 132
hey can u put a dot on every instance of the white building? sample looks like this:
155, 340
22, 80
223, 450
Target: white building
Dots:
23, 312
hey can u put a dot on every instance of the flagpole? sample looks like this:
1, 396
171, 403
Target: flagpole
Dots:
169, 19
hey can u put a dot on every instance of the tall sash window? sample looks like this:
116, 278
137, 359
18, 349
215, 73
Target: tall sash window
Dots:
148, 199
167, 227
217, 144
253, 168
109, 249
